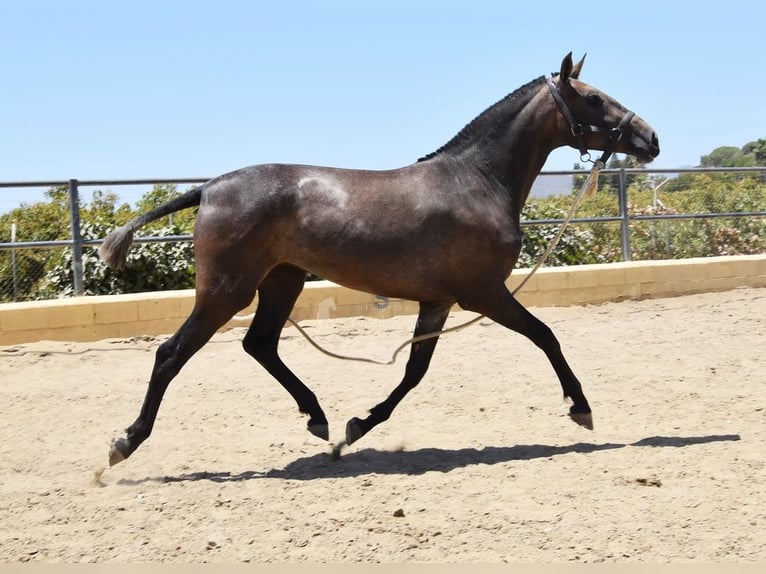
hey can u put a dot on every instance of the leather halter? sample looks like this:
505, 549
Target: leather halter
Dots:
579, 130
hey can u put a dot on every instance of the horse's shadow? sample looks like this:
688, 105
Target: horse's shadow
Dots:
371, 461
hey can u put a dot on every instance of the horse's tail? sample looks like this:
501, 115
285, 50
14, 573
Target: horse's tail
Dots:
114, 249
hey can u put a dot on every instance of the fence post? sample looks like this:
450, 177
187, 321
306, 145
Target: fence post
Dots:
74, 216
622, 196
13, 264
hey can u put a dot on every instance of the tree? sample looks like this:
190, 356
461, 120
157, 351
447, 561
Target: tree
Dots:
47, 272
756, 150
41, 221
149, 266
611, 182
162, 193
751, 154
727, 156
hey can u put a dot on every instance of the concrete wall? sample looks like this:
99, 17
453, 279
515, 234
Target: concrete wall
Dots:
158, 313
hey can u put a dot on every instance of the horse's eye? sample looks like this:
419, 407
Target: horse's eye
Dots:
594, 100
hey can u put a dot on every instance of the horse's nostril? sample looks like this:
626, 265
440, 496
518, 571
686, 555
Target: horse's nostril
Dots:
655, 143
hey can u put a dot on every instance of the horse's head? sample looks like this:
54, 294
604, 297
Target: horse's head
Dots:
593, 120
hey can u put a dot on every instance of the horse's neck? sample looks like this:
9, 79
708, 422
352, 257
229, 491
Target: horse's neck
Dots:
509, 142
515, 160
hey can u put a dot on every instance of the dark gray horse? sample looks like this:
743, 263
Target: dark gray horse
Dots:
442, 231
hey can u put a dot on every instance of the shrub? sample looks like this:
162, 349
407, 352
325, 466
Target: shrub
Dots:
149, 267
577, 244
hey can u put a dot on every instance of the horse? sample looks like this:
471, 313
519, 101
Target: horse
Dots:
442, 231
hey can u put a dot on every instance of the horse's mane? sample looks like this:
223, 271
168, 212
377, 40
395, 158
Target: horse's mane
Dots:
508, 107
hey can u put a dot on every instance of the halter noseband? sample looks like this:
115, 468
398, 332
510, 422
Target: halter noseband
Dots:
579, 130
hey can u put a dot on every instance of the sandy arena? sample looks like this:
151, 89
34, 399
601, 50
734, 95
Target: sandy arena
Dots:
479, 463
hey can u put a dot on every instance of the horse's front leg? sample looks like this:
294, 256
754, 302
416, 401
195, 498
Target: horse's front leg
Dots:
502, 307
431, 319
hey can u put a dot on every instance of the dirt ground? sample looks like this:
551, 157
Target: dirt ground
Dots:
479, 463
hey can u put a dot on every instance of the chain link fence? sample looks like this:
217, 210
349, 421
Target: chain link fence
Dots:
635, 214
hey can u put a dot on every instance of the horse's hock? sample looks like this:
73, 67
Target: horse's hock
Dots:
157, 313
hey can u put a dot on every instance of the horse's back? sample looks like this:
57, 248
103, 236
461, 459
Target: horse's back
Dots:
316, 199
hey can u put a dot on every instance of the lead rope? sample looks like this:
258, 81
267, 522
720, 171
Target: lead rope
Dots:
588, 188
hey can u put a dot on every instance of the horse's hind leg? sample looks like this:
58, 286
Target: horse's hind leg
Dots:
209, 314
502, 307
276, 297
431, 319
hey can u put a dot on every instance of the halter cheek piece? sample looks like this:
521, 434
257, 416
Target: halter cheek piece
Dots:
579, 130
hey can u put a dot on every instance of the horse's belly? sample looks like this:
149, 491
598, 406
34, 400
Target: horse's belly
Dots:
418, 271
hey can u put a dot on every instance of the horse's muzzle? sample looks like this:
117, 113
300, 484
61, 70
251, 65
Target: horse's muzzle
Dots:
654, 147
645, 149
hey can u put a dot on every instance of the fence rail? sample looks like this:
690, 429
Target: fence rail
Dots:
624, 218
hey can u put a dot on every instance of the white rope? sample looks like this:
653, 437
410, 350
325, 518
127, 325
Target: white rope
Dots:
588, 188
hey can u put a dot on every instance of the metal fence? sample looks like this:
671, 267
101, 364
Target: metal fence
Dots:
622, 216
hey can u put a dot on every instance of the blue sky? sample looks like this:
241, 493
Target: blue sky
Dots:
142, 89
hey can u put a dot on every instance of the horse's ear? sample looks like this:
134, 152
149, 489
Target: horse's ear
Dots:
566, 67
575, 73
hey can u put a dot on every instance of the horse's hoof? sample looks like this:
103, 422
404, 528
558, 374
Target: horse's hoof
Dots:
117, 451
319, 430
336, 450
583, 419
353, 431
